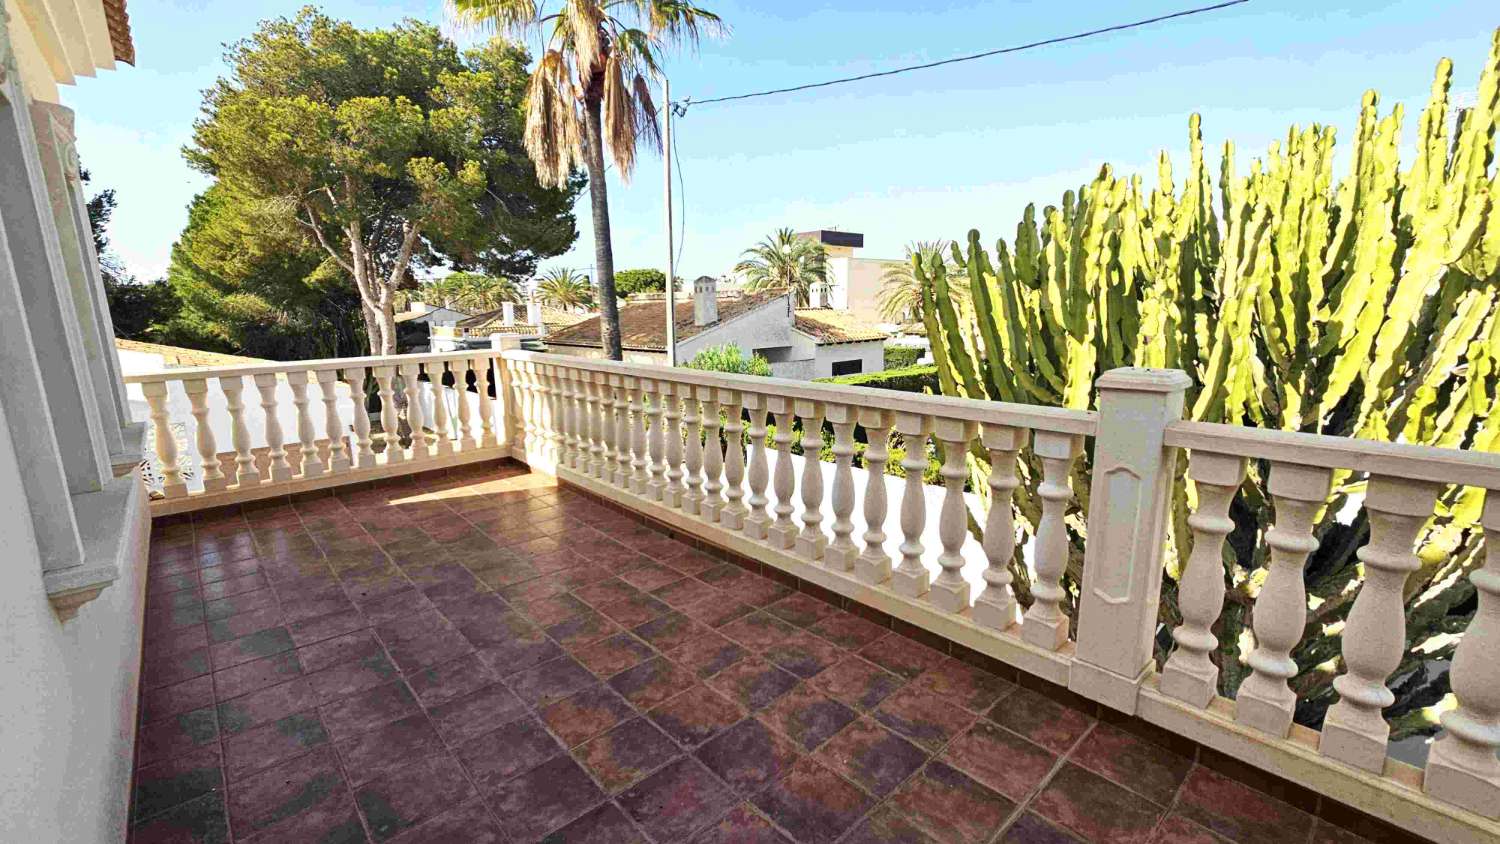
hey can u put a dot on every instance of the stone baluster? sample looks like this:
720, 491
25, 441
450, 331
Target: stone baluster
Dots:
467, 436
1190, 674
543, 399
656, 487
531, 411
555, 381
166, 440
333, 428
486, 406
692, 498
594, 460
1264, 700
580, 421
1463, 767
1355, 730
812, 541
950, 592
783, 532
840, 553
605, 463
732, 515
623, 442
640, 479
388, 419
910, 577
416, 417
436, 371
245, 471
995, 607
1045, 625
672, 414
307, 439
757, 520
873, 566
277, 466
208, 449
713, 457
364, 453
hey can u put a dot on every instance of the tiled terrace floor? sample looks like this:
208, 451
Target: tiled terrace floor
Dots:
485, 658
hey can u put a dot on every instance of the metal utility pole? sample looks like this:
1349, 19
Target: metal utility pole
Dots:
666, 157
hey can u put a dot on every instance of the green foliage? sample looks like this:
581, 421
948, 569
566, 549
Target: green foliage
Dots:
900, 357
900, 296
250, 283
630, 282
911, 379
1362, 307
388, 148
729, 358
784, 260
139, 311
468, 292
565, 288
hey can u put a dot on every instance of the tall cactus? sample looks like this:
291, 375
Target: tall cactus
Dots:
1365, 306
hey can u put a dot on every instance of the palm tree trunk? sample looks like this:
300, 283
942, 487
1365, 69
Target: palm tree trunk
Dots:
604, 259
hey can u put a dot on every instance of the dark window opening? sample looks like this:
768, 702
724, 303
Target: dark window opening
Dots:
848, 367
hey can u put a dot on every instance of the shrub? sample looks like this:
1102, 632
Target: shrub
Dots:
912, 379
900, 357
729, 358
630, 282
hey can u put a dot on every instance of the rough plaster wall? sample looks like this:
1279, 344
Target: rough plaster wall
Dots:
871, 356
67, 692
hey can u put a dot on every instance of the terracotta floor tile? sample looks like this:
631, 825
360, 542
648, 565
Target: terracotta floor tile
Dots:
507, 751
466, 718
1000, 759
887, 824
1098, 810
543, 799
384, 749
327, 626
470, 823
176, 735
430, 649
743, 825
583, 715
848, 630
758, 631
807, 717
604, 823
871, 756
652, 682
948, 806
813, 803
748, 755
1147, 769
902, 656
684, 592
177, 780
1042, 720
695, 716
1176, 829
753, 683
515, 653
1237, 811
801, 609
707, 654
718, 610
368, 710
610, 656
678, 800
439, 684
257, 645
804, 654
256, 675
360, 644
923, 717
626, 753
550, 682
235, 626
857, 682
414, 792
202, 821
1032, 828
349, 678
177, 698
581, 630
971, 687
670, 631
605, 592
171, 669
635, 610
296, 800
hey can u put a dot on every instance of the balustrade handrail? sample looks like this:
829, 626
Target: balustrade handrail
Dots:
1038, 417
321, 364
1401, 460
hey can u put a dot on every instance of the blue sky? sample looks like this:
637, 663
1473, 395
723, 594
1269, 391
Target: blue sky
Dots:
919, 156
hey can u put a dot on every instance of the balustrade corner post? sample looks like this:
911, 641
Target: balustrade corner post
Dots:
841, 553
1129, 505
1355, 730
811, 541
713, 457
995, 607
783, 531
1190, 674
1463, 768
910, 577
1265, 701
873, 565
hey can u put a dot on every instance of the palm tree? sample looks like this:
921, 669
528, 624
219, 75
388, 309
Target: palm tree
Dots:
591, 89
785, 260
900, 297
480, 293
564, 288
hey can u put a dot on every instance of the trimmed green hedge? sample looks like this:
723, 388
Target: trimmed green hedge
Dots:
901, 357
912, 379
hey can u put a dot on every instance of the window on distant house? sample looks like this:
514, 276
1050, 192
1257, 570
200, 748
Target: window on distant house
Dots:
848, 367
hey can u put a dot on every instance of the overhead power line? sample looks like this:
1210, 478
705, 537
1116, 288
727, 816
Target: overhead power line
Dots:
680, 107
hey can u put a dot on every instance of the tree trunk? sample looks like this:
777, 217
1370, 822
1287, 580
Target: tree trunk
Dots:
604, 259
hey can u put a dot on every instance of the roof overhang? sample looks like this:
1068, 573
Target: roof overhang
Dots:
828, 237
57, 41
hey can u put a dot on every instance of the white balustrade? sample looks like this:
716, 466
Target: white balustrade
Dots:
950, 592
468, 438
483, 384
416, 417
246, 474
166, 440
1355, 730
655, 412
208, 450
333, 429
1264, 699
713, 456
307, 440
839, 555
783, 531
594, 460
639, 456
732, 517
757, 520
995, 607
873, 566
443, 434
910, 578
364, 453
619, 401
692, 498
671, 397
277, 466
1190, 674
1045, 625
389, 421
811, 541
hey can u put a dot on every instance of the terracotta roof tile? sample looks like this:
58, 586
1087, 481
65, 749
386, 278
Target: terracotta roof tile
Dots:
553, 318
643, 325
119, 31
828, 326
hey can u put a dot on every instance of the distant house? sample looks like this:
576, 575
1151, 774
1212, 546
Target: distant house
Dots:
474, 331
799, 343
853, 283
421, 313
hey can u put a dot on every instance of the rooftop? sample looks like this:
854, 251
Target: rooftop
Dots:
553, 318
643, 325
831, 327
485, 656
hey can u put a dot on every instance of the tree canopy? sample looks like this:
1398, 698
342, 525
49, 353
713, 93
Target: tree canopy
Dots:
390, 149
786, 260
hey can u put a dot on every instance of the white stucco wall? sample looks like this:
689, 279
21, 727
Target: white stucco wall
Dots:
871, 356
67, 689
854, 284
